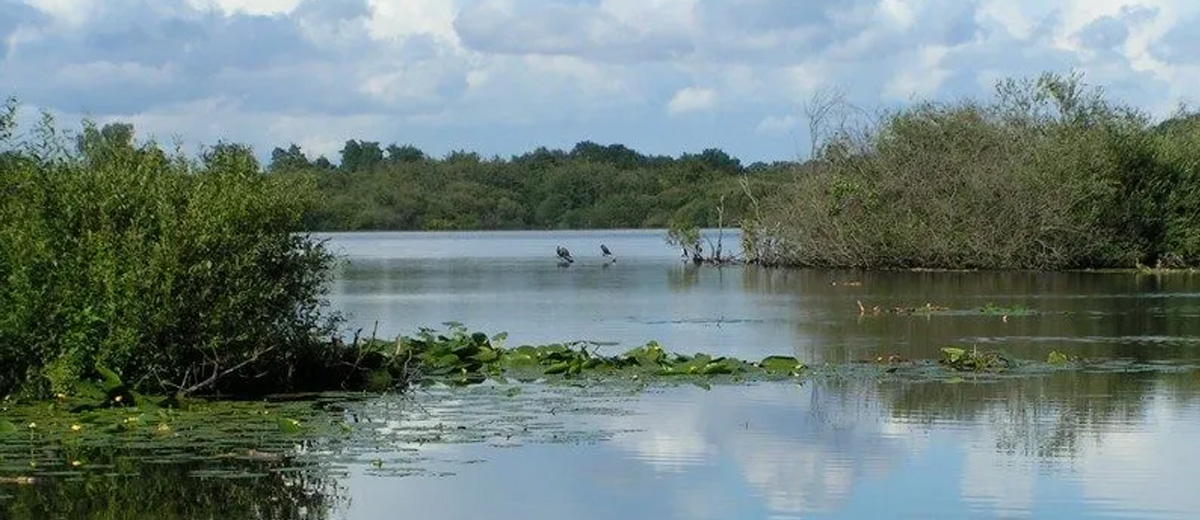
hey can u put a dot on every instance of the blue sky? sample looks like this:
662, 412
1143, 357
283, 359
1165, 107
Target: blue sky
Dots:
505, 76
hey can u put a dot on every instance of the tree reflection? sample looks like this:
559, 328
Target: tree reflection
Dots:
1042, 416
1088, 314
120, 487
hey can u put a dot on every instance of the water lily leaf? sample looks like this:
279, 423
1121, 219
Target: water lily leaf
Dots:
487, 355
781, 365
649, 355
288, 425
559, 368
1058, 358
521, 356
954, 354
718, 367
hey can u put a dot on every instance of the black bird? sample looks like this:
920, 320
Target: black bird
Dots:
607, 254
564, 256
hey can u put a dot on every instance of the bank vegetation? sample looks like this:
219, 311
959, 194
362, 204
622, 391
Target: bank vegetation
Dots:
1048, 173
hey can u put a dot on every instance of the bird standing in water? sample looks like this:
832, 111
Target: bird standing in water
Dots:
564, 257
608, 256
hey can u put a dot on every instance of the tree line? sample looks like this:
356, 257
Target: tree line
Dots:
400, 187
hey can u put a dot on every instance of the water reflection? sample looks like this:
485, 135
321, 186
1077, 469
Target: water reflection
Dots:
117, 486
1062, 445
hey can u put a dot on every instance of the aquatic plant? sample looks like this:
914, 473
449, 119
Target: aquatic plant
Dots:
214, 459
973, 360
992, 309
461, 357
1058, 358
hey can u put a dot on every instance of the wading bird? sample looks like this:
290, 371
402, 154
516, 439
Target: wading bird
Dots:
608, 256
564, 257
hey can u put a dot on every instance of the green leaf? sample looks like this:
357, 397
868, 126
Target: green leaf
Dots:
781, 365
7, 427
1058, 358
954, 354
111, 380
559, 368
288, 425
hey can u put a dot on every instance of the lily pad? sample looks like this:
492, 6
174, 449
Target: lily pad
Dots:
788, 365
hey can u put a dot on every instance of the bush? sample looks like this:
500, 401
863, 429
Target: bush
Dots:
1047, 175
178, 275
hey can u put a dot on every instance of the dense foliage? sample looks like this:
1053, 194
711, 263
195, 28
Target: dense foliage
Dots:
121, 261
1047, 175
591, 186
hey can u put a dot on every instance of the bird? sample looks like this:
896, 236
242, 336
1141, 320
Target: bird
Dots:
564, 257
607, 254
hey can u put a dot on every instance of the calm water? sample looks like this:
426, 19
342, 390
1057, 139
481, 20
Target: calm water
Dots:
508, 281
1066, 444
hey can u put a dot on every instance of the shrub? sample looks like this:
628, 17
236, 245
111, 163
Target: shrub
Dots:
1047, 175
177, 274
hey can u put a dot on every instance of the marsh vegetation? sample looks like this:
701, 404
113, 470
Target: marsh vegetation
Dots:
1047, 174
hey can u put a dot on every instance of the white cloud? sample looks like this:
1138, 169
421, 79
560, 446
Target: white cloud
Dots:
692, 99
392, 20
921, 77
72, 13
605, 67
253, 7
776, 124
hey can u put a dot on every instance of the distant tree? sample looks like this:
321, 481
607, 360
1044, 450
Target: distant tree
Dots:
404, 154
291, 159
462, 156
361, 155
225, 156
323, 163
114, 135
615, 154
717, 159
541, 158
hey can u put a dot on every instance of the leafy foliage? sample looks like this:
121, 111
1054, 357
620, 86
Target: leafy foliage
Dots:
461, 357
1047, 175
973, 360
169, 273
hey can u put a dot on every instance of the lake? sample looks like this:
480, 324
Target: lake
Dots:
1116, 441
394, 283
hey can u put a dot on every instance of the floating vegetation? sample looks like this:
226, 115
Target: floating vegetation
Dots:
991, 309
974, 360
463, 358
1058, 358
928, 308
988, 309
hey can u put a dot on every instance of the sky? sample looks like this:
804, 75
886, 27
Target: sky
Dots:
502, 77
